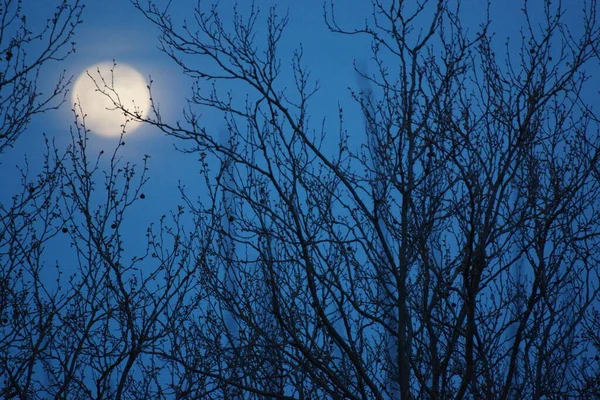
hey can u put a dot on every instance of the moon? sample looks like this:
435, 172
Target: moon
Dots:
124, 84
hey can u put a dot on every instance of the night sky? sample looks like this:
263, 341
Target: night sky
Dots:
116, 30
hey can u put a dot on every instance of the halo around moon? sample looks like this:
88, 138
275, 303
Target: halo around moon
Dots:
124, 84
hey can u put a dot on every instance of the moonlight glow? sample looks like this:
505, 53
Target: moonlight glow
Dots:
124, 85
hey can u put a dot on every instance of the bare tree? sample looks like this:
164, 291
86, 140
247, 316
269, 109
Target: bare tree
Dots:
96, 329
366, 270
29, 219
470, 154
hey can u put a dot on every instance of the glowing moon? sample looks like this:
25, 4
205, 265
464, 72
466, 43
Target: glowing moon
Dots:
125, 82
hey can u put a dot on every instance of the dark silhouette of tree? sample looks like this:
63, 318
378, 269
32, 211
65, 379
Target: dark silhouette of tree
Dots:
448, 251
474, 162
30, 219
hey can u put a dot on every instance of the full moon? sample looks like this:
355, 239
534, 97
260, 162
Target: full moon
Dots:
125, 85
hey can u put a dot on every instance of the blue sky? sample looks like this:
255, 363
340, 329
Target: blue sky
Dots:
114, 29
